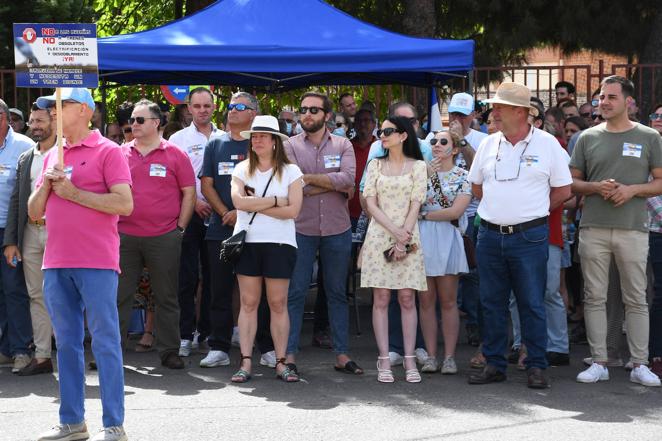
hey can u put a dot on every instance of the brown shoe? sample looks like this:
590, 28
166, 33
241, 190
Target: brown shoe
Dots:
172, 361
656, 366
489, 374
35, 368
536, 379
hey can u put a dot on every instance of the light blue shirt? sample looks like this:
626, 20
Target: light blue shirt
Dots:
11, 149
376, 150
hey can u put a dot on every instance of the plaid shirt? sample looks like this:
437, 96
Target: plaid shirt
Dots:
654, 206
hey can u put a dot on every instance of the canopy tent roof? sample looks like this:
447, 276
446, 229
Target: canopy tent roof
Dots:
278, 44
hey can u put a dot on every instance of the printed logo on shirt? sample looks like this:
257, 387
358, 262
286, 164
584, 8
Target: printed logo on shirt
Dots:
331, 161
238, 157
68, 170
529, 160
225, 168
196, 150
5, 170
633, 150
157, 170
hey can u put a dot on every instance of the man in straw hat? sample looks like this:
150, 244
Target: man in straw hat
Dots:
82, 200
519, 173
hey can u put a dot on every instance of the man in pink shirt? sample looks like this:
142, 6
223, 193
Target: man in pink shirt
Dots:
82, 200
164, 196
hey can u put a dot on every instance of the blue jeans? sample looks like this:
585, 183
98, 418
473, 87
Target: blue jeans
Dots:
71, 294
334, 253
15, 321
518, 263
655, 259
469, 289
557, 323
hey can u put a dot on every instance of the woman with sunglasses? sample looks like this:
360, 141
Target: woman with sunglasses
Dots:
392, 258
448, 195
269, 185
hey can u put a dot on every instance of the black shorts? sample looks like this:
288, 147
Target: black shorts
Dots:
271, 260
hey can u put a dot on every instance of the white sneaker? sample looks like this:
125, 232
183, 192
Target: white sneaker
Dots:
235, 337
395, 358
449, 367
268, 359
421, 355
65, 432
593, 374
215, 359
430, 366
185, 347
114, 433
196, 340
644, 376
20, 361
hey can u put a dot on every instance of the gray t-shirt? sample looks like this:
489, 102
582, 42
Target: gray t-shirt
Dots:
628, 157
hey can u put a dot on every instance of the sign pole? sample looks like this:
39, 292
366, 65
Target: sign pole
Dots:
58, 110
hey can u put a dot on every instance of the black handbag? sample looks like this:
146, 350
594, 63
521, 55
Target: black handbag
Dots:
231, 247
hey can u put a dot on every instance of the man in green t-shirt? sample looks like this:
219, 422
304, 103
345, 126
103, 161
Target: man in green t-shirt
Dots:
616, 165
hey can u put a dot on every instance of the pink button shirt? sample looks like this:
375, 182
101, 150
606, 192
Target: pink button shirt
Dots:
324, 214
157, 179
80, 237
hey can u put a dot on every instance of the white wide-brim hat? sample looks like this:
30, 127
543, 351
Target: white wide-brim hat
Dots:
513, 94
264, 124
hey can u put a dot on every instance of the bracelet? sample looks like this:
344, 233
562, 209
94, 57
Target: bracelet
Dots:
275, 201
398, 249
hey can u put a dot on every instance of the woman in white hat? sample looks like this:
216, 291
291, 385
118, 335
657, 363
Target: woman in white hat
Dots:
268, 185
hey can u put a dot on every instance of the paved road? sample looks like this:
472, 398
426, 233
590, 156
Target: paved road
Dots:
202, 404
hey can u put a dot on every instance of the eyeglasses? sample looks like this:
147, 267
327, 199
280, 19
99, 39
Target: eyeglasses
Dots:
585, 115
314, 110
139, 119
597, 116
501, 165
655, 116
387, 131
127, 130
239, 107
339, 124
442, 141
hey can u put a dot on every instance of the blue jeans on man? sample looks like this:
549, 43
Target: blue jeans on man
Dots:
71, 294
334, 253
15, 321
513, 262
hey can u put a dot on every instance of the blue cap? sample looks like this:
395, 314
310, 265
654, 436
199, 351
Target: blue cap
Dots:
78, 94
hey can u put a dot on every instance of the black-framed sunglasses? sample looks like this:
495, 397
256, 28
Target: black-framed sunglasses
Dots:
314, 110
442, 141
139, 119
239, 107
597, 116
585, 115
655, 116
387, 131
127, 130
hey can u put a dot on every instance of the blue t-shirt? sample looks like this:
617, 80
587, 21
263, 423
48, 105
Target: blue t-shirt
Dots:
221, 156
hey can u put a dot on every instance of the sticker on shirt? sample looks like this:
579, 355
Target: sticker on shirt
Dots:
529, 160
331, 161
68, 170
5, 170
196, 150
633, 150
237, 157
225, 168
157, 170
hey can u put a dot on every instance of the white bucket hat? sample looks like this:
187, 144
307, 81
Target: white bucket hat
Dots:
264, 124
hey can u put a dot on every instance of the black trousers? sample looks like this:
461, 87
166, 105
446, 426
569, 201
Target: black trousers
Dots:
222, 279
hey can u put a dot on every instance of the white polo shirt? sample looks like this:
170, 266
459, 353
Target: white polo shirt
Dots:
193, 143
517, 190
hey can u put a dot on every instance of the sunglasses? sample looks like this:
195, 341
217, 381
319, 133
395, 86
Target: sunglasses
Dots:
585, 115
239, 107
139, 119
314, 110
442, 141
597, 116
339, 124
655, 116
127, 130
387, 132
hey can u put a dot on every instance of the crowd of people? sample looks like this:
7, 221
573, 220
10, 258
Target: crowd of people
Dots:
518, 218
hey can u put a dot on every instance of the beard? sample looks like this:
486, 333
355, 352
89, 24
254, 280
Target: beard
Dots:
312, 126
41, 135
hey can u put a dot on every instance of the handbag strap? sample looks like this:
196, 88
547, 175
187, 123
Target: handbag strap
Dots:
263, 193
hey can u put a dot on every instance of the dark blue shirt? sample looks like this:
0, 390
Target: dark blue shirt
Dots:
221, 156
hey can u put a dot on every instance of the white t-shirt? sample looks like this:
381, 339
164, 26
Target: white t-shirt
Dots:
525, 174
266, 228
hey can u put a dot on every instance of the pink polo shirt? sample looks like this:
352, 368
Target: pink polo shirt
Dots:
80, 237
157, 179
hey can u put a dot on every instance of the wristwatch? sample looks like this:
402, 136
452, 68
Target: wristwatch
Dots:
180, 229
463, 143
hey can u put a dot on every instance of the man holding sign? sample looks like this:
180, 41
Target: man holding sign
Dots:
82, 200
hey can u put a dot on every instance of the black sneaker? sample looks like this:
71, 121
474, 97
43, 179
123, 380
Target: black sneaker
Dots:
558, 359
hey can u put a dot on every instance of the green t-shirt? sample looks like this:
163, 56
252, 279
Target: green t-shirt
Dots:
627, 157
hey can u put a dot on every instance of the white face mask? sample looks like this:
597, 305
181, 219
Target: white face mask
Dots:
340, 131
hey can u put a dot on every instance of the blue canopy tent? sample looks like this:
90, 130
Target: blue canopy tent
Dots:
278, 45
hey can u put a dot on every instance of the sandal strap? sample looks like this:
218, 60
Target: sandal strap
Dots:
245, 357
281, 361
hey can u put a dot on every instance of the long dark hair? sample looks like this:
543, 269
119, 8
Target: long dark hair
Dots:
410, 147
278, 158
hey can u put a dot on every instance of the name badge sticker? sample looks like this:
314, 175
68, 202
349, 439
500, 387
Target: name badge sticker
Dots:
68, 170
157, 170
196, 150
529, 160
225, 168
331, 161
5, 170
632, 150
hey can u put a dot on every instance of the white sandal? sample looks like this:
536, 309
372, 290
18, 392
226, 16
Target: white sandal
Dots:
411, 375
384, 375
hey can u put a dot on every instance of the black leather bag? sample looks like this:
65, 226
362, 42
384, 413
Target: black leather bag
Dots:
231, 247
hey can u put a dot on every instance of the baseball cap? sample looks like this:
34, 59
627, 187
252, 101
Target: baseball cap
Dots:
462, 103
78, 94
17, 112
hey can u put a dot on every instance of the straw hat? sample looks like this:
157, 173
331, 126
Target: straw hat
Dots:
513, 94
